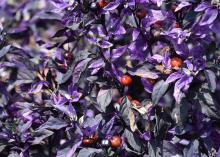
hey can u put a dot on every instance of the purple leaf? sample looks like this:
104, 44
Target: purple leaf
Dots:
201, 7
182, 5
211, 78
69, 148
87, 152
133, 141
97, 64
118, 52
125, 109
108, 126
148, 87
40, 135
71, 152
135, 34
111, 6
209, 17
4, 50
79, 68
145, 73
38, 87
158, 91
53, 123
182, 84
67, 109
24, 127
105, 44
173, 77
104, 98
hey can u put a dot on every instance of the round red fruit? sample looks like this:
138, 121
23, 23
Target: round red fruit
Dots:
102, 3
68, 56
116, 141
176, 62
126, 80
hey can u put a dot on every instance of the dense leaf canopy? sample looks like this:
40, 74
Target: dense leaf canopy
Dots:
87, 78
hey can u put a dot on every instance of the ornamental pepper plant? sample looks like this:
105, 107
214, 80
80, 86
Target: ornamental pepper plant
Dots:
109, 78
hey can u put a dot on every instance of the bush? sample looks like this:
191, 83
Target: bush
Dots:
83, 78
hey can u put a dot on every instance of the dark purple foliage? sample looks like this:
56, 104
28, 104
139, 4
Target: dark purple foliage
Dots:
61, 64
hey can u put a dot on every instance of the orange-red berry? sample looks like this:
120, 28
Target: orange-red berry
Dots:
176, 62
126, 80
116, 141
102, 3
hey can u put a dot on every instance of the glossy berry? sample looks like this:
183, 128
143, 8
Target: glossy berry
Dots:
126, 80
105, 143
102, 3
120, 99
68, 56
116, 141
176, 62
136, 103
87, 141
141, 14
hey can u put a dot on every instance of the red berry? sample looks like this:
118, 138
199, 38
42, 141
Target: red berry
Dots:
120, 99
102, 3
136, 103
141, 14
126, 80
88, 141
116, 141
176, 62
68, 56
